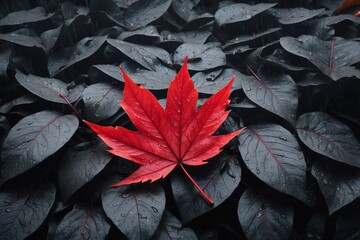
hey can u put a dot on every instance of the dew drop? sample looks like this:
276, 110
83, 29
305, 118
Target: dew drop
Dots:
283, 138
154, 209
8, 210
231, 173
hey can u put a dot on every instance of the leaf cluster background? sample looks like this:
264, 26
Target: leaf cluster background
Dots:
292, 174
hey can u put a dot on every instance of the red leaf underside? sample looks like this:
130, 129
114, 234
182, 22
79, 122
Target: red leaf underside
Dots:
165, 138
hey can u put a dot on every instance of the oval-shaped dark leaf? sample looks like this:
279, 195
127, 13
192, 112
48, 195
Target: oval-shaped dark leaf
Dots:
198, 37
348, 222
274, 156
67, 57
170, 228
23, 40
340, 184
4, 61
265, 216
83, 222
218, 179
213, 82
46, 88
142, 12
23, 210
201, 56
240, 12
158, 79
334, 58
23, 100
276, 93
330, 137
78, 167
135, 211
146, 34
25, 16
33, 139
101, 101
294, 15
146, 56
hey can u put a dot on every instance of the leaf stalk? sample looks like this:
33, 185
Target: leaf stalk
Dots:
203, 194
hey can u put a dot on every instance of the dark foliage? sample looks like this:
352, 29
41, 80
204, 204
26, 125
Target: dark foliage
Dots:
293, 173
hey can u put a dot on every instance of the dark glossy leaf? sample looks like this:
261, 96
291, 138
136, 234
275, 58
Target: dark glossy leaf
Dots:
273, 155
198, 37
79, 166
245, 39
211, 86
276, 93
26, 16
239, 12
47, 88
101, 101
141, 35
142, 12
51, 37
67, 57
348, 222
218, 179
316, 226
23, 100
23, 210
158, 79
184, 9
294, 15
83, 222
146, 56
201, 56
330, 137
340, 184
4, 61
334, 58
264, 216
33, 139
170, 228
283, 59
314, 79
135, 211
198, 21
20, 39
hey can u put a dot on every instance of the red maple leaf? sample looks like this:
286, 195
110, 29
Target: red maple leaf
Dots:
177, 135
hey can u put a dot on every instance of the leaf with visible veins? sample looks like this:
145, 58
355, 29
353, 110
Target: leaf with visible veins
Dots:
177, 135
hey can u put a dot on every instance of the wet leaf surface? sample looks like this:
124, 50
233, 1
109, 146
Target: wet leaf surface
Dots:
33, 139
339, 184
201, 56
79, 166
135, 211
171, 228
26, 16
239, 12
274, 156
218, 179
328, 136
101, 101
83, 222
264, 217
334, 58
294, 15
275, 93
18, 205
48, 88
